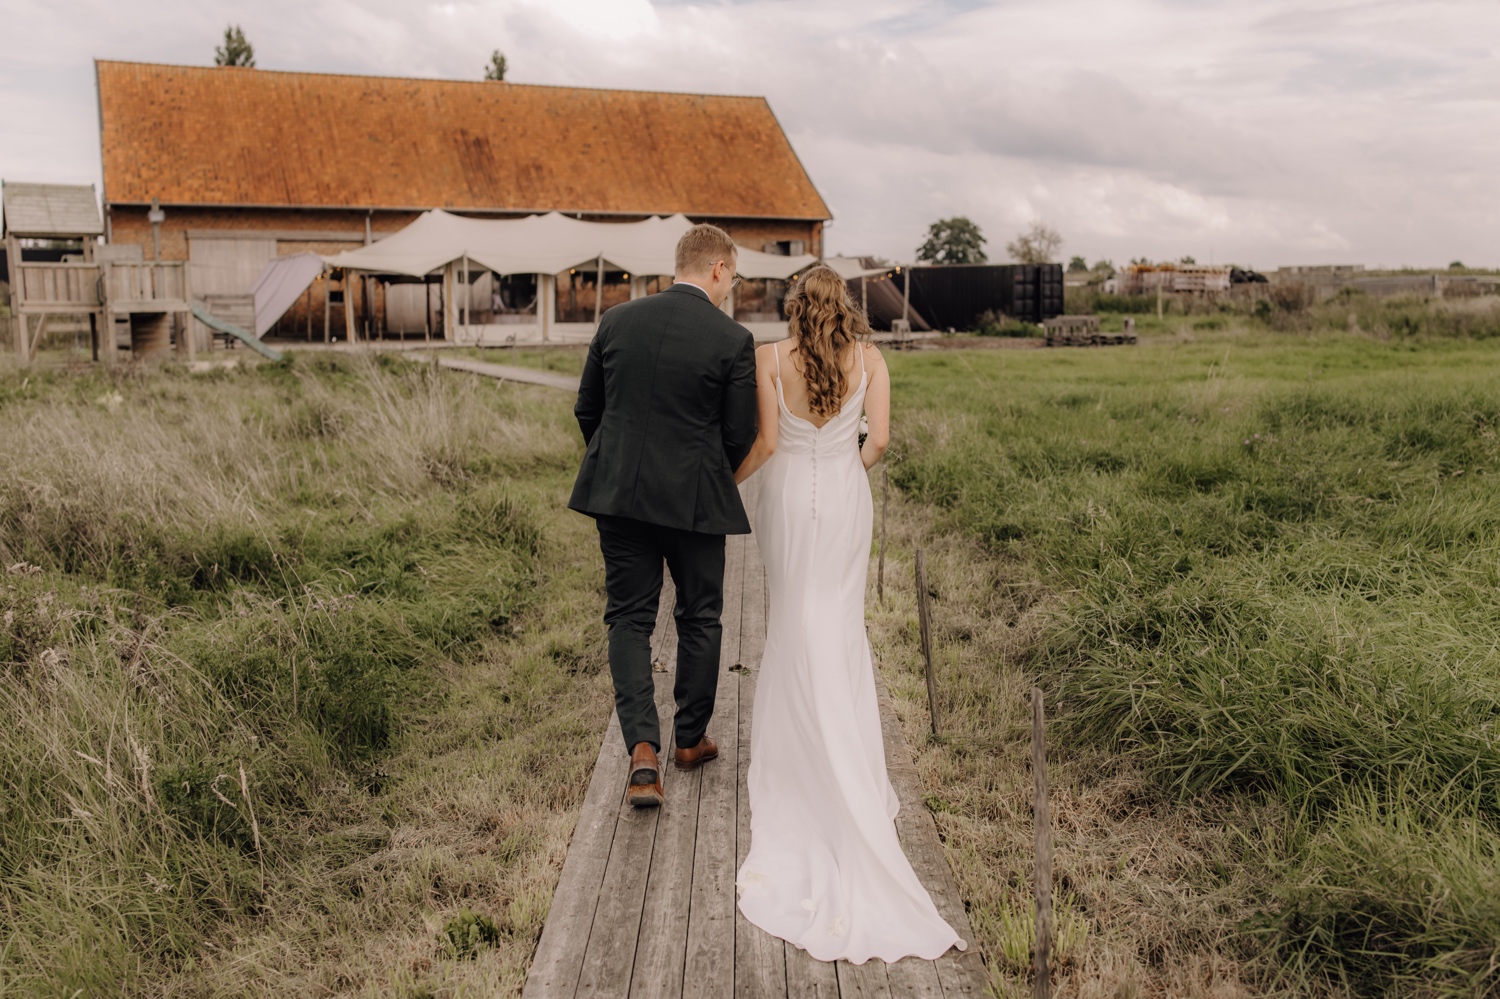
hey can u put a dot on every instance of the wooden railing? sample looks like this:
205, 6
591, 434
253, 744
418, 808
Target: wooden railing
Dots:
130, 286
59, 285
127, 287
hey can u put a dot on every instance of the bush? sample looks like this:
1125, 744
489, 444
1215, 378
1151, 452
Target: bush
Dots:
991, 323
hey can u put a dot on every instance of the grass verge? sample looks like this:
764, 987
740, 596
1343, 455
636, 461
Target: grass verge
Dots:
1255, 574
300, 662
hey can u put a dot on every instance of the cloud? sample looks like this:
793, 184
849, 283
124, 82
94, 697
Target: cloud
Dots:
1275, 132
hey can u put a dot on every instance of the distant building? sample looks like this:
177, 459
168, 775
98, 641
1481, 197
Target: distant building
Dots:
249, 164
1186, 278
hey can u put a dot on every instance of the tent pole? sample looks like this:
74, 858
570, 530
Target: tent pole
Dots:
906, 296
427, 306
468, 294
544, 302
599, 290
351, 332
327, 306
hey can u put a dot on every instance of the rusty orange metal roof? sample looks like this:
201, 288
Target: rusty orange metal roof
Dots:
193, 135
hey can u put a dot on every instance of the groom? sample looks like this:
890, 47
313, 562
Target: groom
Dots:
667, 409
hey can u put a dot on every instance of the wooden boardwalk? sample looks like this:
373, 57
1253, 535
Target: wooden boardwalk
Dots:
512, 373
646, 904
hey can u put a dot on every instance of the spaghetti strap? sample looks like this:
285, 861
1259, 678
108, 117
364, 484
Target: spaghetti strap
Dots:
861, 361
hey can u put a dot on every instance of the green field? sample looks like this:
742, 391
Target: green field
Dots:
1257, 576
301, 660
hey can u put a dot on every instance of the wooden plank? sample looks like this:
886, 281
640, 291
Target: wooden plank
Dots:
915, 978
709, 962
558, 961
662, 948
662, 945
734, 595
510, 373
808, 977
961, 973
759, 958
863, 981
753, 612
609, 956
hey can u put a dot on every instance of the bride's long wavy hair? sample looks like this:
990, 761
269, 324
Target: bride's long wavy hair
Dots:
825, 322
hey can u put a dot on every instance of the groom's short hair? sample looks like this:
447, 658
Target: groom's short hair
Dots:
701, 247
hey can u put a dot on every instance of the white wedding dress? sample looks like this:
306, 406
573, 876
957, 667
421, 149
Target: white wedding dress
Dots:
825, 870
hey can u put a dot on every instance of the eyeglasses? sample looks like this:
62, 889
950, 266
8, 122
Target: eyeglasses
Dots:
737, 279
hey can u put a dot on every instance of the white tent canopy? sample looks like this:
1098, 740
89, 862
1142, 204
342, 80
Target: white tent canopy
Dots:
280, 284
850, 268
542, 244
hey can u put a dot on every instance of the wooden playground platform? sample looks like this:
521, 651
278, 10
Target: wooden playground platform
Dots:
646, 908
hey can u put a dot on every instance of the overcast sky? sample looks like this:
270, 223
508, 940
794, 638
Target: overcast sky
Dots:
1260, 132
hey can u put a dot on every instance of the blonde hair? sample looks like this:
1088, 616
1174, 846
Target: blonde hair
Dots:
824, 322
701, 247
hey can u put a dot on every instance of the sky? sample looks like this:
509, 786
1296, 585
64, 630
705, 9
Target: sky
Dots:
1257, 132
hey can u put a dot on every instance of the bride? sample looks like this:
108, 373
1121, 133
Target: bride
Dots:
825, 869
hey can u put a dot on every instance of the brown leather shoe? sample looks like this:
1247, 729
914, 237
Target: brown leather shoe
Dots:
644, 789
696, 756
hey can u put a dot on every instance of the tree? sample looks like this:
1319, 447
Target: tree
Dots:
1077, 265
496, 69
1104, 266
1457, 265
235, 51
1037, 245
953, 241
1188, 261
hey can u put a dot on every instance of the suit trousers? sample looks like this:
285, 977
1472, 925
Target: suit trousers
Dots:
633, 555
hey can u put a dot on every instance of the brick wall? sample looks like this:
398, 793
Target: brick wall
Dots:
128, 224
756, 233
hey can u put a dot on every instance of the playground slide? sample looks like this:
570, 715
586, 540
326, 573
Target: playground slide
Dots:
251, 340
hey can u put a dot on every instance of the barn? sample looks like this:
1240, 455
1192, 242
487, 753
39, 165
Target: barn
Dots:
245, 165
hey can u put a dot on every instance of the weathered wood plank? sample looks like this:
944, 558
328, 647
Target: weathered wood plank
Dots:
662, 946
709, 964
511, 373
558, 962
863, 981
961, 973
734, 596
808, 977
753, 610
914, 978
609, 955
759, 958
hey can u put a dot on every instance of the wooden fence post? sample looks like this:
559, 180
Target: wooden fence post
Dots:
925, 621
885, 485
1042, 988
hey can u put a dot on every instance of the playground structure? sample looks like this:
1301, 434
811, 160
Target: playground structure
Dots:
130, 307
126, 304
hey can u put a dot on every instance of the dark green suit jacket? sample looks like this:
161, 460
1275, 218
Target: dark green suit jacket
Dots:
667, 409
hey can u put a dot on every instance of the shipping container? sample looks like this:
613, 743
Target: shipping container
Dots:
956, 295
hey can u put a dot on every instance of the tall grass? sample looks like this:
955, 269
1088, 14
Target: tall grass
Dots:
1269, 568
227, 600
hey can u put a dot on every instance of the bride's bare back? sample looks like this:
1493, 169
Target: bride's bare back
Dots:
794, 385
